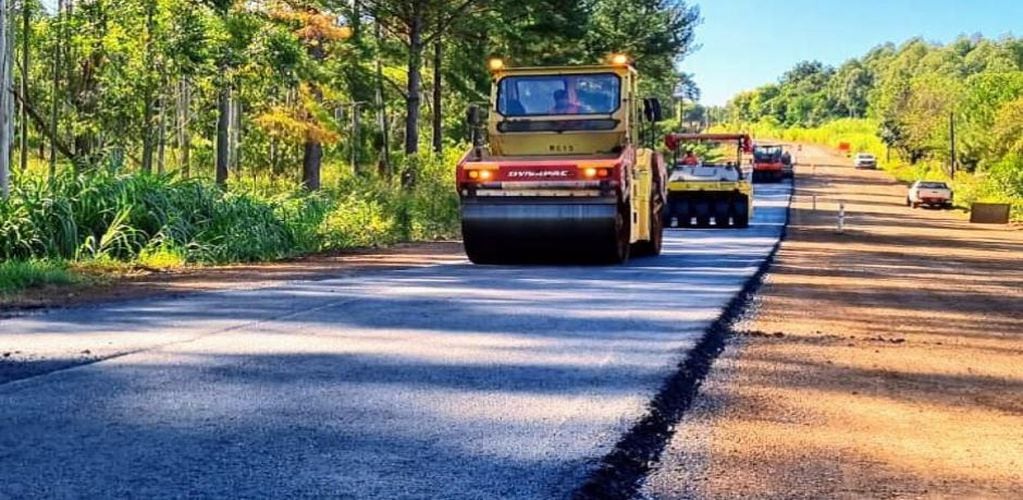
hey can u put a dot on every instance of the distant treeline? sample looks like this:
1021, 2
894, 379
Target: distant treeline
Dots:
913, 93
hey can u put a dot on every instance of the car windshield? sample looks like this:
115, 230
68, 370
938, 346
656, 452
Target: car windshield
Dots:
933, 185
598, 93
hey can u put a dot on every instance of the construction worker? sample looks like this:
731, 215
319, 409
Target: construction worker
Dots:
562, 105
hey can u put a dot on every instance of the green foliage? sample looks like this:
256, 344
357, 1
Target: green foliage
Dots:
134, 75
358, 222
655, 33
18, 275
380, 213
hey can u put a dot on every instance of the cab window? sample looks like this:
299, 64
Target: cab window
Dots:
585, 94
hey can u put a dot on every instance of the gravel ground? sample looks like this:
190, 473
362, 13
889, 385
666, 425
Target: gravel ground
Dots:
884, 362
442, 381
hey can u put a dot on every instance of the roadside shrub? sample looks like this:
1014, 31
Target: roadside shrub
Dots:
431, 209
357, 222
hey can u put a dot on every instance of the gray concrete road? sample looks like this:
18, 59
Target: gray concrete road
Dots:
452, 381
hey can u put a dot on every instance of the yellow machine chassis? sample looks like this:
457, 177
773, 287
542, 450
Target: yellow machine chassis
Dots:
711, 190
509, 221
741, 186
641, 194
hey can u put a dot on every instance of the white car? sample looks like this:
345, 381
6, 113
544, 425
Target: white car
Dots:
930, 193
865, 160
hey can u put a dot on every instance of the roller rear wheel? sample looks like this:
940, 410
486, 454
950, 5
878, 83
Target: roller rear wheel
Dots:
721, 213
682, 211
740, 212
652, 247
617, 251
481, 253
702, 209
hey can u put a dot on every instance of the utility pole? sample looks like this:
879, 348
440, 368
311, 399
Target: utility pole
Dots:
6, 104
952, 135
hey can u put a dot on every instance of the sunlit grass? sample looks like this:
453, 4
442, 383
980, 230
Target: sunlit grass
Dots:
19, 275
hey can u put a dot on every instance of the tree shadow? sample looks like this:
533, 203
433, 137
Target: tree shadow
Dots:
234, 427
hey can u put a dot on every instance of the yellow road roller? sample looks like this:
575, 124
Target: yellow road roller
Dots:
566, 171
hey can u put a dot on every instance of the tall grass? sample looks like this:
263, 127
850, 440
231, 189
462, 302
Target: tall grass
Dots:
166, 221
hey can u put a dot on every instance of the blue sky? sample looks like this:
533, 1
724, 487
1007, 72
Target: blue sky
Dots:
747, 43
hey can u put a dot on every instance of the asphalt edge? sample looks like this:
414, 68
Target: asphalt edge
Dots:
10, 311
622, 471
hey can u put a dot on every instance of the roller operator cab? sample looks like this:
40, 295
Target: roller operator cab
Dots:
563, 175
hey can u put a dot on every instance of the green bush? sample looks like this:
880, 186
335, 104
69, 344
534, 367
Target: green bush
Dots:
369, 211
357, 222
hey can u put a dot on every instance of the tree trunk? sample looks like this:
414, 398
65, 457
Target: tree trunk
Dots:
274, 167
311, 165
86, 88
223, 115
355, 139
6, 81
438, 122
41, 125
381, 104
26, 35
148, 97
55, 105
236, 136
415, 57
313, 157
184, 138
161, 143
